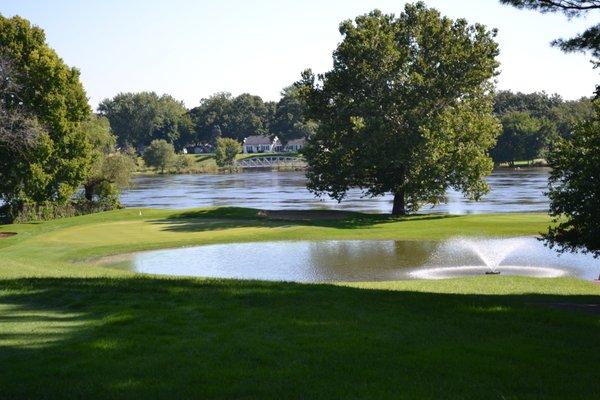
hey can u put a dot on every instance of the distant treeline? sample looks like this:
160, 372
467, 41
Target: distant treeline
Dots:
530, 122
138, 118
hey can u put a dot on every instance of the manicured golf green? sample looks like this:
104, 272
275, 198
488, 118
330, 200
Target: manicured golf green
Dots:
70, 328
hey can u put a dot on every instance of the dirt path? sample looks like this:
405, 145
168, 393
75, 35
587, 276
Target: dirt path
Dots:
588, 308
304, 215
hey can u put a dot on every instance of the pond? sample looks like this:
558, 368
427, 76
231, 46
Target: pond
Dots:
366, 260
511, 191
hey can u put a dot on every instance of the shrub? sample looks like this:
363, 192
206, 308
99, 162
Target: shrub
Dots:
225, 151
160, 154
185, 163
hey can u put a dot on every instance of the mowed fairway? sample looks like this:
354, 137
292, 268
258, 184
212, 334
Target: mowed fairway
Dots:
72, 329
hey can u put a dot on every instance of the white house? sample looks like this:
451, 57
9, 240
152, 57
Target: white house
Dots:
294, 145
201, 149
261, 144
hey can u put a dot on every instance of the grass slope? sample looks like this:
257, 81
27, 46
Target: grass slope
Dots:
75, 330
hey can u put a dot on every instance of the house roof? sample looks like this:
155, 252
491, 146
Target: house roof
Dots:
256, 140
300, 142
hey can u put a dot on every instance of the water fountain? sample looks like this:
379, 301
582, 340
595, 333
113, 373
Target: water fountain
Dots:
491, 251
456, 254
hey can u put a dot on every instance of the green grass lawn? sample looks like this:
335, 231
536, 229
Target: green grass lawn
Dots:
73, 329
538, 162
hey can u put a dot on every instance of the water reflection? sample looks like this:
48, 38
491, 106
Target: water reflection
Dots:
512, 191
357, 260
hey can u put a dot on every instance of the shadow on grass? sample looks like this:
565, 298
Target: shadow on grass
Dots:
235, 217
161, 338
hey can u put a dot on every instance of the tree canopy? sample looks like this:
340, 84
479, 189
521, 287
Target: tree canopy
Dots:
249, 115
523, 137
232, 117
532, 121
138, 118
407, 109
536, 104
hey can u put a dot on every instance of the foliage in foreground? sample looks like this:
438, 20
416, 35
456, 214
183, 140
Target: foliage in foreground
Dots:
574, 193
407, 109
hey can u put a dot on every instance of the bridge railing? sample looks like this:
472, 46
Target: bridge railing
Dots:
270, 161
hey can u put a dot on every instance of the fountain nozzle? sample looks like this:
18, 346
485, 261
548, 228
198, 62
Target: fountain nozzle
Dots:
492, 272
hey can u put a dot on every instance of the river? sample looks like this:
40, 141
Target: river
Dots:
511, 191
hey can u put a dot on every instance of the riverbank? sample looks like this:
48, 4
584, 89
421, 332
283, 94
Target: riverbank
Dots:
72, 329
206, 164
537, 163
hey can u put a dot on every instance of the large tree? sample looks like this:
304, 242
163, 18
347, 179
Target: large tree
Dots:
574, 189
18, 130
407, 109
24, 144
47, 93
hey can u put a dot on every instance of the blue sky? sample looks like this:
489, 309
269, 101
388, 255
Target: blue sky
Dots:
191, 49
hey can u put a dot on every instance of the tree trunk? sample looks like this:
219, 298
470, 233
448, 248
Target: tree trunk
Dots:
399, 204
89, 192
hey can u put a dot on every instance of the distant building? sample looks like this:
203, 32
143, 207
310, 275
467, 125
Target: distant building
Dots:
294, 145
261, 144
201, 149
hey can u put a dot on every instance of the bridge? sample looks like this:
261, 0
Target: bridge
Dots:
271, 162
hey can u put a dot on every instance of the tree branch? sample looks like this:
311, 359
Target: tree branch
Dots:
568, 7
